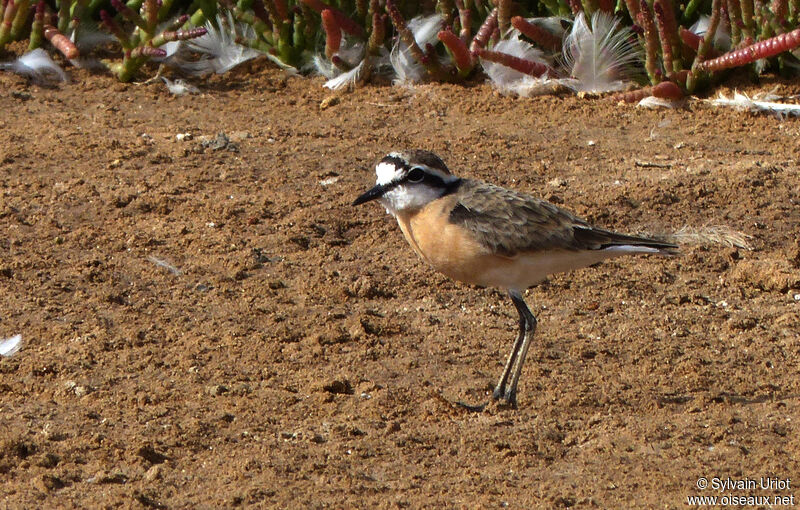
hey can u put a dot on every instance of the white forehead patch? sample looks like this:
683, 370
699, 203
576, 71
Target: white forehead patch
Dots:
386, 172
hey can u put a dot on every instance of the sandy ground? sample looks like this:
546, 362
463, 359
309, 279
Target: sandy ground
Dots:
208, 322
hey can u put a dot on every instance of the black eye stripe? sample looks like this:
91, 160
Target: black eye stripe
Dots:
416, 174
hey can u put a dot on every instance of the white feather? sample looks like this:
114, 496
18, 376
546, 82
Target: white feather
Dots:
425, 30
10, 346
218, 48
600, 58
36, 65
347, 80
653, 102
178, 87
87, 36
759, 103
553, 24
722, 37
350, 52
511, 81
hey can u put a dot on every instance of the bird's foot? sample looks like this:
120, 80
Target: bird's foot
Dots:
505, 397
500, 400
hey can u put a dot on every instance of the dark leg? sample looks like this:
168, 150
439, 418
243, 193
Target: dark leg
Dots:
513, 367
500, 389
527, 328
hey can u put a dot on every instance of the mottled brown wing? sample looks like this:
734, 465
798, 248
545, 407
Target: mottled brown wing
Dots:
509, 222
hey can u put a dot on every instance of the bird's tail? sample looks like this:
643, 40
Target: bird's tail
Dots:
600, 239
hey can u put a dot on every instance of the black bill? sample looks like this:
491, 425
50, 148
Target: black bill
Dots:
375, 192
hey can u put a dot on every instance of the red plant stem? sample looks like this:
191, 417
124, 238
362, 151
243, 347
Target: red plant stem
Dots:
61, 42
633, 8
747, 17
606, 6
272, 15
129, 14
668, 90
667, 15
150, 11
37, 27
461, 54
537, 34
465, 20
535, 69
347, 24
341, 64
665, 23
694, 41
8, 18
179, 22
769, 25
21, 19
503, 15
705, 47
645, 20
178, 35
446, 8
735, 16
260, 12
108, 21
333, 33
763, 49
427, 59
281, 8
403, 31
378, 33
664, 90
485, 32
781, 10
147, 51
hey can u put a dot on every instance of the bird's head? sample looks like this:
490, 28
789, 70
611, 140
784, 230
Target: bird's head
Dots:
409, 180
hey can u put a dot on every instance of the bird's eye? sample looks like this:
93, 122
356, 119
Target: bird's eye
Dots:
416, 174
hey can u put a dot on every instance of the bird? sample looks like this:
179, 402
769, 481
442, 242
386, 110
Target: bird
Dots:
486, 235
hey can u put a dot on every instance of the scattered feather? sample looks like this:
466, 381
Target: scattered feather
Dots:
511, 81
87, 36
653, 102
406, 67
10, 346
36, 65
353, 54
759, 103
166, 265
350, 52
171, 47
218, 49
349, 79
600, 58
180, 87
722, 37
